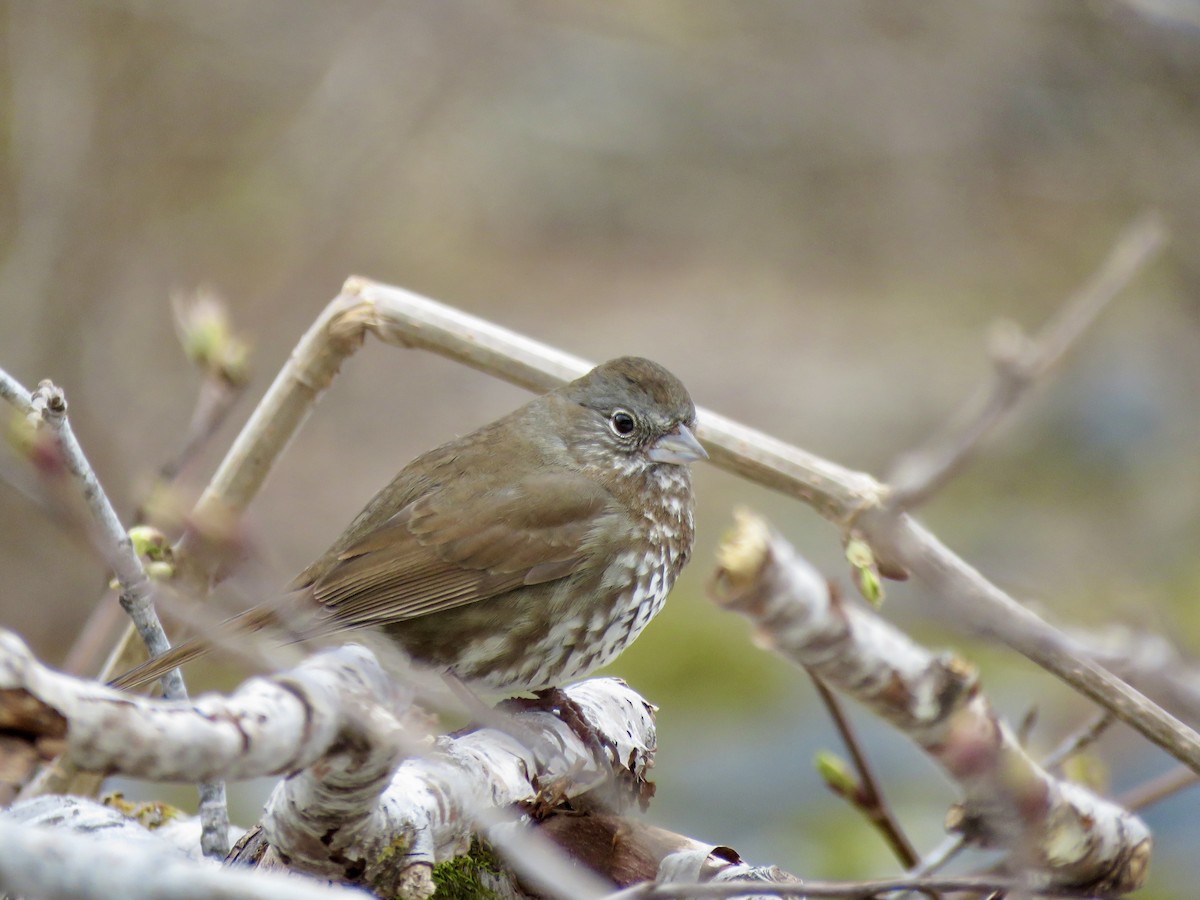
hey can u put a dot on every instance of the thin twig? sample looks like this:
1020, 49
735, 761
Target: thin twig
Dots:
114, 544
967, 597
868, 798
858, 889
1080, 740
1158, 789
939, 856
50, 405
1019, 363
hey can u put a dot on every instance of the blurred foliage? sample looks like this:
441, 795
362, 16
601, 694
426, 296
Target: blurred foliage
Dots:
809, 211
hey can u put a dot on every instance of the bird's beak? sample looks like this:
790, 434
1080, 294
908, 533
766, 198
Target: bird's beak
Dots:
678, 447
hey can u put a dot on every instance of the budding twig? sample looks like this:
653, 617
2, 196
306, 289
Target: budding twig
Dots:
868, 795
136, 589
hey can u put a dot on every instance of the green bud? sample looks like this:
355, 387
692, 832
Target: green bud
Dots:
836, 774
866, 575
160, 570
150, 543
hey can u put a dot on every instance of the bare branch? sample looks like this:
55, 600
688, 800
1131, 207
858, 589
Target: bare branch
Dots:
431, 804
1079, 741
270, 726
49, 405
972, 601
847, 498
351, 798
1158, 789
867, 796
1019, 363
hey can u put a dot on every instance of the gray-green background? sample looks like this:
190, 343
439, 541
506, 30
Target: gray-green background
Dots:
810, 211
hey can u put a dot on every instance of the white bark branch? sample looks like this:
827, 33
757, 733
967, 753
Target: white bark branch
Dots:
352, 808
434, 803
54, 864
269, 726
1059, 830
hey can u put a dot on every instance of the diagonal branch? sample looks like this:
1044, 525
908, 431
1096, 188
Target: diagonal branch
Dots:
865, 795
845, 497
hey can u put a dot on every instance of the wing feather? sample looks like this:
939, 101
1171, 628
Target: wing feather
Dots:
450, 548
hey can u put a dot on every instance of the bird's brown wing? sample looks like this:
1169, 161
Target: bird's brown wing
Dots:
448, 548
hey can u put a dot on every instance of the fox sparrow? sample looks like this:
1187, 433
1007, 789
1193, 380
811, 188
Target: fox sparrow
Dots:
523, 555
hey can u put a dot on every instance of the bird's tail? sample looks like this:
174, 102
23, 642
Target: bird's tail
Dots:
155, 668
158, 666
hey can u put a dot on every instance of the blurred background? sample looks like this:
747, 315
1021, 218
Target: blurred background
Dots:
810, 212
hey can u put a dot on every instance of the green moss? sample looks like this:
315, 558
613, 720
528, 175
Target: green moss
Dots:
148, 815
470, 876
398, 846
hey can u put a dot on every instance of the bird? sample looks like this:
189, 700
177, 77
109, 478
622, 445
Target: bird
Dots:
519, 557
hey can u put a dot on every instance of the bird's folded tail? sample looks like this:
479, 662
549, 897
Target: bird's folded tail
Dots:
155, 668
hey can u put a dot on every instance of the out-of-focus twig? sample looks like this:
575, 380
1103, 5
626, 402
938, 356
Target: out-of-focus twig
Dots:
1080, 740
939, 856
976, 885
1019, 363
865, 793
1158, 789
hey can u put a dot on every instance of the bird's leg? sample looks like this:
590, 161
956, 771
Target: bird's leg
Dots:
553, 700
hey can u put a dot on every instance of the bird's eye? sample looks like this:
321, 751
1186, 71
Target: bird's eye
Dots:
622, 422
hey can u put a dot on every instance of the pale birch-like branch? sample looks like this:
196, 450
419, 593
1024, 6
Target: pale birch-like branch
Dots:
434, 802
1056, 832
269, 726
54, 864
352, 807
